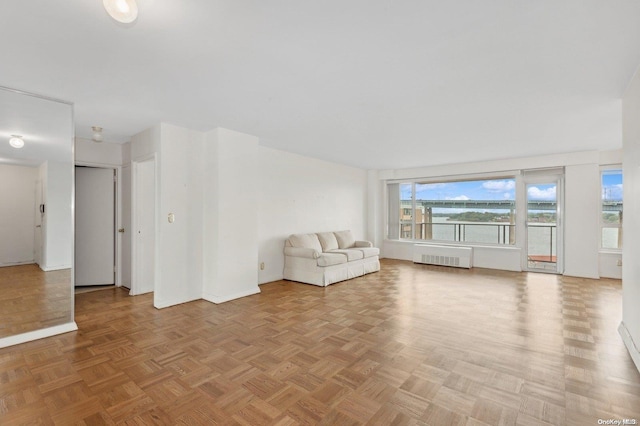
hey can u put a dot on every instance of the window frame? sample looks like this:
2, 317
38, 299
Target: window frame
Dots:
506, 175
602, 224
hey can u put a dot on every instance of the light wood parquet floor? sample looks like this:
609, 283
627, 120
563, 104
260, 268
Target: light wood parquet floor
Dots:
412, 344
31, 299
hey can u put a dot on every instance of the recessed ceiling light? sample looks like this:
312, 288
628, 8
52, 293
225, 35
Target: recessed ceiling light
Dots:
125, 11
16, 141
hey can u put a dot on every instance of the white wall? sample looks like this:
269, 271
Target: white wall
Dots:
230, 215
145, 143
89, 152
179, 262
375, 209
57, 225
630, 326
582, 198
297, 194
209, 183
582, 192
18, 214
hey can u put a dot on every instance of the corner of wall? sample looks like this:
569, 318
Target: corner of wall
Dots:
630, 344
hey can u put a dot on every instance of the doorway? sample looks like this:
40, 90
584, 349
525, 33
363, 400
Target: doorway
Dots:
95, 226
144, 226
125, 229
544, 224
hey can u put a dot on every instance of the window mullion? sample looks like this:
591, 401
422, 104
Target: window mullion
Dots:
413, 210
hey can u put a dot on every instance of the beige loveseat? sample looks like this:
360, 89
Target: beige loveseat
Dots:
328, 257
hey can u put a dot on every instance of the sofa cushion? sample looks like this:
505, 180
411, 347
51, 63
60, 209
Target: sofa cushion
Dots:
345, 239
369, 251
352, 254
305, 241
328, 259
363, 244
327, 241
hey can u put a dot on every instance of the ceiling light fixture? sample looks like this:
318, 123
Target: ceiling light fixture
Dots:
16, 141
97, 134
125, 11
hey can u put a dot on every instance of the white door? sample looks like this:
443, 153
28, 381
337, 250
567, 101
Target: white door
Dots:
125, 232
37, 243
95, 226
144, 227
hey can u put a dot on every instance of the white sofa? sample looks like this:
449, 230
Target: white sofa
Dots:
328, 257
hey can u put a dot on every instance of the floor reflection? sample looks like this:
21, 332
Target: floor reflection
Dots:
31, 299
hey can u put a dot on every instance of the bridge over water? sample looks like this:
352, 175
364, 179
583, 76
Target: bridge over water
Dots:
609, 205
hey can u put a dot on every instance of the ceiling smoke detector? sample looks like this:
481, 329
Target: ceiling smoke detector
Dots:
97, 134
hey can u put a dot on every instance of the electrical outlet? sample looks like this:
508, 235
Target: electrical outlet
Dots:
262, 266
619, 262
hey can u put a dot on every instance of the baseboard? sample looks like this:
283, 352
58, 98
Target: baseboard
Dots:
54, 268
221, 299
630, 344
26, 262
37, 334
161, 304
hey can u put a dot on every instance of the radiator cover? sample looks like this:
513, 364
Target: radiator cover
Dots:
458, 257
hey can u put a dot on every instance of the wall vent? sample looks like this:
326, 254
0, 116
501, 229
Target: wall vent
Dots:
458, 257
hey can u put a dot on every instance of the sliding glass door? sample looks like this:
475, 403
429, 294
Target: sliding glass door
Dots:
544, 224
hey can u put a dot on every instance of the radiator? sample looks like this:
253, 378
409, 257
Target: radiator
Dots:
459, 257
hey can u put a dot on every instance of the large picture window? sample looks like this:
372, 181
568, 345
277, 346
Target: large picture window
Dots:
611, 216
472, 211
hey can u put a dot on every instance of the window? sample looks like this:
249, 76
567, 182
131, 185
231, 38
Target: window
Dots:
611, 215
475, 211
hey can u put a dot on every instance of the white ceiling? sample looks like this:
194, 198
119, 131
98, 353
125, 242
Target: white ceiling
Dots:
370, 83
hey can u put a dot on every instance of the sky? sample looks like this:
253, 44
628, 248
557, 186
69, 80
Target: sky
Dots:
612, 186
503, 189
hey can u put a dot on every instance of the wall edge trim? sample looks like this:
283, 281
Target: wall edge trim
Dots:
37, 334
209, 297
630, 344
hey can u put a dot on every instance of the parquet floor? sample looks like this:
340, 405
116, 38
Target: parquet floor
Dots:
412, 345
31, 299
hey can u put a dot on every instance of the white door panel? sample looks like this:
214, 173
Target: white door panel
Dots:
95, 223
145, 228
125, 252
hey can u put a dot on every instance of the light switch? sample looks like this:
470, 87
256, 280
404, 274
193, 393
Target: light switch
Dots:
172, 217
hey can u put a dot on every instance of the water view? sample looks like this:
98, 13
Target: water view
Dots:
541, 238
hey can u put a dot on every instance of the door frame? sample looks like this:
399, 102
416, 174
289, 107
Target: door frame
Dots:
127, 233
118, 212
135, 286
545, 178
38, 237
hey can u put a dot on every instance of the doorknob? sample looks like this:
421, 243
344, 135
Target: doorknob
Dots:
121, 230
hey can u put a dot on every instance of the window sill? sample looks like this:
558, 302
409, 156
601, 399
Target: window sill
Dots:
610, 251
453, 244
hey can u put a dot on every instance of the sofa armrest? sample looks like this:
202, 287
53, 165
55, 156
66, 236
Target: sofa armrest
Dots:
301, 252
364, 244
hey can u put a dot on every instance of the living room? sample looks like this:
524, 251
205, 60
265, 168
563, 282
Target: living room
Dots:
226, 200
